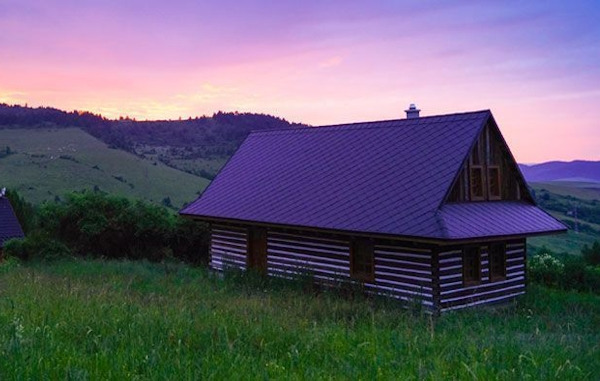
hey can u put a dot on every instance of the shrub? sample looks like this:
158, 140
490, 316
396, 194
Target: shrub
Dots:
106, 226
36, 246
569, 273
100, 225
591, 254
189, 241
546, 269
574, 269
591, 279
95, 224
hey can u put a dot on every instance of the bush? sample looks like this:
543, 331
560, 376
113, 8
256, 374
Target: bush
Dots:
569, 272
189, 241
99, 225
546, 269
7, 264
36, 246
572, 278
591, 254
591, 279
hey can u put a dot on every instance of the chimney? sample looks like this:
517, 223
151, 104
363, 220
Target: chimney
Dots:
412, 112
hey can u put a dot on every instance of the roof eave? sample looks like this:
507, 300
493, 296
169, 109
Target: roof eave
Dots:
399, 237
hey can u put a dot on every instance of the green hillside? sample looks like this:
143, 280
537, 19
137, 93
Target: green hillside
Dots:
575, 204
42, 164
583, 190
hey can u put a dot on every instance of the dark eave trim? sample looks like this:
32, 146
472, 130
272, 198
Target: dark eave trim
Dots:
427, 240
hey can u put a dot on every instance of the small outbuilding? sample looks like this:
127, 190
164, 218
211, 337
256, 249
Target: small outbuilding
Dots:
9, 224
428, 209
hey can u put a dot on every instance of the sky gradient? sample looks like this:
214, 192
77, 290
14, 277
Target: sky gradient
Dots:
536, 65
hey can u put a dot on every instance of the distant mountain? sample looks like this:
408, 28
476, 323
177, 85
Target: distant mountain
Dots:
578, 170
199, 146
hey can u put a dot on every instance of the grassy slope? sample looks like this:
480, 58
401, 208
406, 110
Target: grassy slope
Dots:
210, 166
38, 173
570, 242
123, 320
583, 190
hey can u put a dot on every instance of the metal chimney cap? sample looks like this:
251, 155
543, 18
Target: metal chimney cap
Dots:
412, 112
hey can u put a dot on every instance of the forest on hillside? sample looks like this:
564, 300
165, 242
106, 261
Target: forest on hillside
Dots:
187, 144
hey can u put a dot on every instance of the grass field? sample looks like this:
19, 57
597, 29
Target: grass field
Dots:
565, 194
125, 320
570, 242
49, 163
582, 190
177, 158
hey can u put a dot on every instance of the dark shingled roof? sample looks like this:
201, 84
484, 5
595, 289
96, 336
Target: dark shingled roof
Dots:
9, 225
487, 219
387, 177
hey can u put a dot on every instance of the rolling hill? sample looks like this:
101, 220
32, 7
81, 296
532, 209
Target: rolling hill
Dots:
578, 170
46, 152
199, 146
43, 164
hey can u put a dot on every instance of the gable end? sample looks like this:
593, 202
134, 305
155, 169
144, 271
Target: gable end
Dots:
489, 171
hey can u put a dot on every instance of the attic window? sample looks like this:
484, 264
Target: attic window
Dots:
471, 266
476, 179
494, 182
497, 260
362, 266
476, 157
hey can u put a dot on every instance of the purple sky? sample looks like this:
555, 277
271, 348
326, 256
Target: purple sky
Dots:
536, 65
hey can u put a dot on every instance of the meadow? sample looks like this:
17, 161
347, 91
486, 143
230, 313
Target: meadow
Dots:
561, 199
45, 164
90, 319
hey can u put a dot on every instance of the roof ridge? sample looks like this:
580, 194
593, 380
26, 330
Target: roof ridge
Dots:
374, 124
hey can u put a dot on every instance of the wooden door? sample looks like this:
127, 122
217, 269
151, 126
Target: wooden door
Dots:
257, 249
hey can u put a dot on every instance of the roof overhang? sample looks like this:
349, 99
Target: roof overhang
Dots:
393, 237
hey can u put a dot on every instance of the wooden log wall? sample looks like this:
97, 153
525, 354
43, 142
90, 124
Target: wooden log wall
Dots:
454, 294
290, 255
228, 247
401, 271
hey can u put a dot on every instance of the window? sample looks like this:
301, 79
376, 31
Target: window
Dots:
494, 182
471, 266
477, 155
362, 265
497, 260
476, 179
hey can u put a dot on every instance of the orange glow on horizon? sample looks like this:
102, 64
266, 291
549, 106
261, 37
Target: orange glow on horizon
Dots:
316, 64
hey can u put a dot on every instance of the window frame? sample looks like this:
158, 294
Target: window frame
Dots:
465, 253
492, 253
498, 180
475, 197
359, 247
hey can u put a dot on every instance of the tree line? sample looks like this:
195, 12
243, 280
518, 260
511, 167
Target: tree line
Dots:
99, 225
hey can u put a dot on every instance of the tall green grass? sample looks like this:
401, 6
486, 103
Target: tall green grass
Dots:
134, 320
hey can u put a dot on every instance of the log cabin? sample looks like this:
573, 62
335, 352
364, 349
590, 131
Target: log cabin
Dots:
9, 224
427, 209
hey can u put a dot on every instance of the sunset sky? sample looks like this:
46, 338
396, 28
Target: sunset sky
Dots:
536, 65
